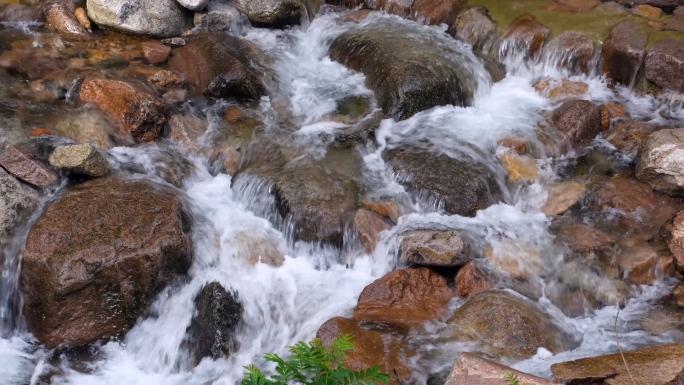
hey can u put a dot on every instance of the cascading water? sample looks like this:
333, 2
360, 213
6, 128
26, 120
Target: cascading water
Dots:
287, 304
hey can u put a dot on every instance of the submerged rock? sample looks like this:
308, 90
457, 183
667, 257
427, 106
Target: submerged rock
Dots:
211, 332
470, 369
508, 325
623, 52
673, 234
436, 12
651, 366
98, 256
24, 163
82, 159
464, 188
271, 13
155, 53
17, 202
407, 72
220, 66
435, 248
61, 15
572, 50
158, 18
561, 196
660, 161
627, 135
665, 64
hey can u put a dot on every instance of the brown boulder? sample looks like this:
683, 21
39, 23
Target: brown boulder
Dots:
665, 64
676, 23
645, 264
651, 366
61, 16
471, 369
436, 12
474, 278
219, 66
509, 325
369, 225
435, 248
623, 52
520, 168
572, 50
659, 161
155, 53
136, 110
581, 238
26, 165
255, 249
526, 35
579, 120
627, 135
474, 26
98, 256
404, 296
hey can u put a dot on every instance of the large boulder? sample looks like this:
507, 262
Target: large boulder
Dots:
271, 13
474, 278
665, 64
220, 66
508, 325
462, 187
660, 163
623, 52
158, 18
211, 332
393, 57
579, 120
137, 110
17, 202
98, 256
435, 248
652, 366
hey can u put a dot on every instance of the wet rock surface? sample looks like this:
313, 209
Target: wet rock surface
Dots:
572, 50
526, 35
472, 369
98, 256
17, 202
437, 249
659, 161
158, 18
579, 120
623, 52
627, 135
271, 13
82, 159
474, 278
369, 226
24, 163
664, 64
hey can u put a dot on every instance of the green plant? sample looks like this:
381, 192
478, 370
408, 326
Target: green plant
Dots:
315, 364
512, 379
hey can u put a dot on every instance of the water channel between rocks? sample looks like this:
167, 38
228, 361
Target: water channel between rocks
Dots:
319, 281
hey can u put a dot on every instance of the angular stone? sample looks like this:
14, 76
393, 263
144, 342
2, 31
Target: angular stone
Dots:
627, 135
525, 35
471, 369
211, 332
572, 50
660, 161
579, 120
136, 110
271, 13
158, 18
155, 53
219, 66
509, 325
97, 258
219, 16
647, 11
623, 52
406, 296
17, 202
651, 366
24, 164
475, 27
369, 225
473, 278
435, 248
82, 159
436, 12
665, 64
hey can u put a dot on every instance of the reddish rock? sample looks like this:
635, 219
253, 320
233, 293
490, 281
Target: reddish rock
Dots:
627, 135
579, 120
616, 110
572, 50
82, 17
155, 53
387, 209
475, 27
673, 234
97, 258
665, 64
355, 16
645, 264
40, 132
584, 239
436, 12
61, 16
369, 226
24, 164
561, 90
219, 65
473, 278
518, 144
401, 8
526, 34
165, 79
136, 110
676, 23
404, 296
623, 52
561, 196
31, 66
470, 369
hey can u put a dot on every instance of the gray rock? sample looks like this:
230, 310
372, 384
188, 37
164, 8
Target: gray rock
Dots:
211, 332
193, 5
665, 64
271, 13
219, 16
660, 161
81, 159
158, 18
435, 248
17, 201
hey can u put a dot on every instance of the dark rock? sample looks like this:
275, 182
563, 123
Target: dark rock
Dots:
470, 369
136, 110
474, 26
509, 325
158, 18
211, 332
623, 53
579, 120
660, 160
665, 64
394, 59
271, 13
526, 35
572, 50
21, 12
435, 248
98, 256
23, 163
627, 135
464, 188
218, 65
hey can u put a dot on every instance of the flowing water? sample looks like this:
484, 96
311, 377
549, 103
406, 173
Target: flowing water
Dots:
283, 305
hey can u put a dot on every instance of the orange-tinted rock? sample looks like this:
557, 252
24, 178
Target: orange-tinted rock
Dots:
676, 23
369, 226
40, 132
401, 8
404, 296
61, 16
571, 6
623, 52
605, 117
24, 164
673, 234
616, 110
136, 110
627, 135
565, 90
518, 144
355, 16
435, 12
255, 249
470, 369
584, 239
647, 11
644, 264
579, 120
82, 17
165, 79
31, 66
520, 168
155, 53
473, 278
98, 256
387, 209
526, 34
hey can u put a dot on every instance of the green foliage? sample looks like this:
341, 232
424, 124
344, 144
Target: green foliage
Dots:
314, 364
512, 379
